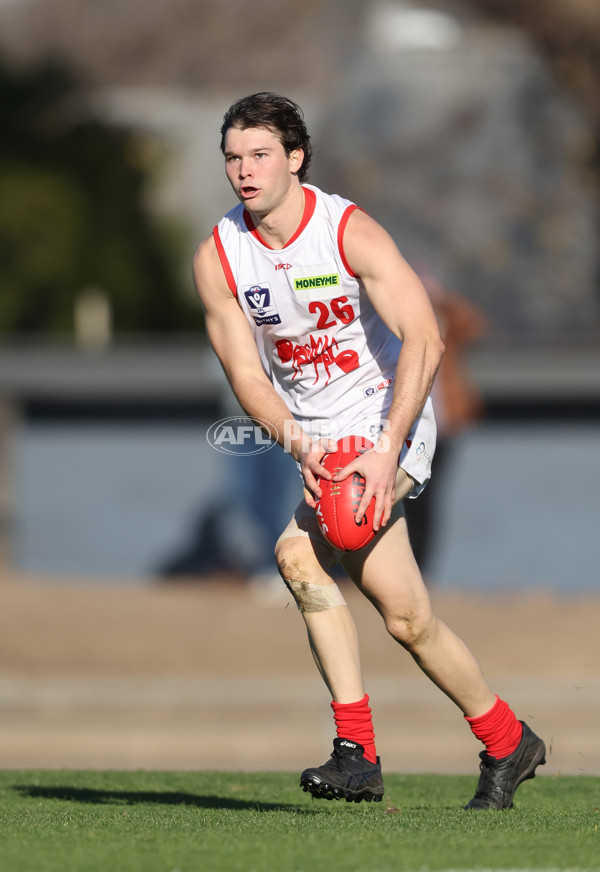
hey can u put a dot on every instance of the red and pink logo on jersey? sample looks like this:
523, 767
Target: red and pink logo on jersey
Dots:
319, 351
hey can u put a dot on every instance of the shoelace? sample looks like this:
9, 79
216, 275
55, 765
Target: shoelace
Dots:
486, 783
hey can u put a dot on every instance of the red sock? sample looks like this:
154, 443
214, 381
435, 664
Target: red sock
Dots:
353, 721
498, 729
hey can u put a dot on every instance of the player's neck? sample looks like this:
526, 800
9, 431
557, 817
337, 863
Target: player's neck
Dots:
278, 226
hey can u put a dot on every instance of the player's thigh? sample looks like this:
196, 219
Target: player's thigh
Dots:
404, 485
387, 572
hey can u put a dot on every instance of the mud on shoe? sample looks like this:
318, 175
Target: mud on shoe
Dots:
346, 775
500, 778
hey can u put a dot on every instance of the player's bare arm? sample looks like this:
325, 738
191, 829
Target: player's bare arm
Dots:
234, 345
232, 340
402, 303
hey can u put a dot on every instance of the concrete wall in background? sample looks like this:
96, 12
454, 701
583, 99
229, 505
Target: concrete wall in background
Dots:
518, 507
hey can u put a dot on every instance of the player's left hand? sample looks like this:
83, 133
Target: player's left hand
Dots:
379, 469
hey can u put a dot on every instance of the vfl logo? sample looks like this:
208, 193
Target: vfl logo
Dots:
382, 386
258, 298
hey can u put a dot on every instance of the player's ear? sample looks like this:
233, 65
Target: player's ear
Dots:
296, 159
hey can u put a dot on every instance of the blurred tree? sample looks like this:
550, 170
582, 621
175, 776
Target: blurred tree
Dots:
73, 215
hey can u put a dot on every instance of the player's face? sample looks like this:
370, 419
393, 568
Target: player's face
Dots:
258, 169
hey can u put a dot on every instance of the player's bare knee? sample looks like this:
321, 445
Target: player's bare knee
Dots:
299, 559
291, 561
307, 581
411, 629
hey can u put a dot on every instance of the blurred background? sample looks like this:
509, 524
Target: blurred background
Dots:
470, 129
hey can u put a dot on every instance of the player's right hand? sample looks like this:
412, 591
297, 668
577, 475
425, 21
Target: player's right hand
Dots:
312, 468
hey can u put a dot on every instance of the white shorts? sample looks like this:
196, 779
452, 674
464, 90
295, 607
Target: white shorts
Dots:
417, 452
415, 460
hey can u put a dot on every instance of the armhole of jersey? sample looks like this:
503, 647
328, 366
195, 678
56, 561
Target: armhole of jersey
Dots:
340, 237
225, 262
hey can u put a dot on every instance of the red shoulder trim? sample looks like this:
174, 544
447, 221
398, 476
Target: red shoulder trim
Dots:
225, 262
310, 202
252, 229
340, 237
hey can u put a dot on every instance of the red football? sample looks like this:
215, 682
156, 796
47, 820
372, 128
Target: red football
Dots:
338, 505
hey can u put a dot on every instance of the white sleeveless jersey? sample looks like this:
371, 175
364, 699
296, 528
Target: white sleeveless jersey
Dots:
321, 343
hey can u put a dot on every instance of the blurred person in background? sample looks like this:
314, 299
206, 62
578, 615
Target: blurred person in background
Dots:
457, 402
308, 303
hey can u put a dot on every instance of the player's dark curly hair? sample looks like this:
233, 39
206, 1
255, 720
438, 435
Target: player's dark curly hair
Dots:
280, 115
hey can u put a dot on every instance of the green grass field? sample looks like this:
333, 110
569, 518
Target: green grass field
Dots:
91, 821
